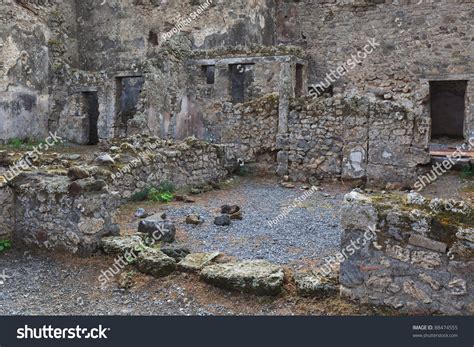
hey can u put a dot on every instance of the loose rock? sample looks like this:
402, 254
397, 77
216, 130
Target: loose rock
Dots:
155, 263
255, 277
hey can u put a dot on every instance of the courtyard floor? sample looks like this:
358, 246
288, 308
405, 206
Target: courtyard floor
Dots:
38, 283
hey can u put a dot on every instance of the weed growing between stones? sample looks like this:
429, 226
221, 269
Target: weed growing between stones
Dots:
163, 193
5, 245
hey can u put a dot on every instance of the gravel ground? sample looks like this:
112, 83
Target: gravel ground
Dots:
308, 233
38, 283
47, 284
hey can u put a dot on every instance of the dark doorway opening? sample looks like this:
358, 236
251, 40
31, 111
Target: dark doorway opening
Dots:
299, 80
91, 109
128, 95
447, 102
241, 79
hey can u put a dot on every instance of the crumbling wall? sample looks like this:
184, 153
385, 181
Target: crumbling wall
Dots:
53, 213
72, 208
417, 40
356, 138
422, 258
143, 162
251, 127
27, 52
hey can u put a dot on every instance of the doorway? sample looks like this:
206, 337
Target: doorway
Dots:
447, 104
90, 103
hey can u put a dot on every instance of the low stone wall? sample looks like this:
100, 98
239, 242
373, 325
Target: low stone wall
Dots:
422, 258
72, 208
53, 213
142, 162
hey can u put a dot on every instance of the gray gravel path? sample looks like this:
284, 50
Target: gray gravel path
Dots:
311, 230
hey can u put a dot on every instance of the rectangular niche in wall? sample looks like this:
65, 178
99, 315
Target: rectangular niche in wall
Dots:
129, 89
447, 103
241, 76
299, 80
209, 72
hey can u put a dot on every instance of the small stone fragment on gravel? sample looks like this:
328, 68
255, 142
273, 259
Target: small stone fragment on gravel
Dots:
237, 216
288, 185
155, 263
194, 219
197, 261
230, 209
185, 199
255, 277
223, 220
141, 213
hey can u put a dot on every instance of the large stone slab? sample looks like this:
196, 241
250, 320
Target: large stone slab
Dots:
122, 244
197, 261
315, 286
255, 277
155, 263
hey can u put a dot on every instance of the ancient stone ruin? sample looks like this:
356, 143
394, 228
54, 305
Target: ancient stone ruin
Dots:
102, 102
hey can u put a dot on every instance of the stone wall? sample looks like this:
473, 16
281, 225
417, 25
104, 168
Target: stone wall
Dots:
71, 208
419, 41
315, 139
143, 162
354, 137
53, 213
28, 51
421, 260
250, 128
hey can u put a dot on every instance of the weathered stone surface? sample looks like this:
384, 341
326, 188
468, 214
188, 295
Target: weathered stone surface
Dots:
230, 209
428, 260
197, 261
416, 292
122, 244
141, 213
175, 251
466, 234
158, 230
77, 173
424, 242
105, 159
313, 286
155, 263
421, 260
255, 277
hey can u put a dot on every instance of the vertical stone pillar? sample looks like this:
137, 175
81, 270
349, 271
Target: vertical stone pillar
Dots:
286, 90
